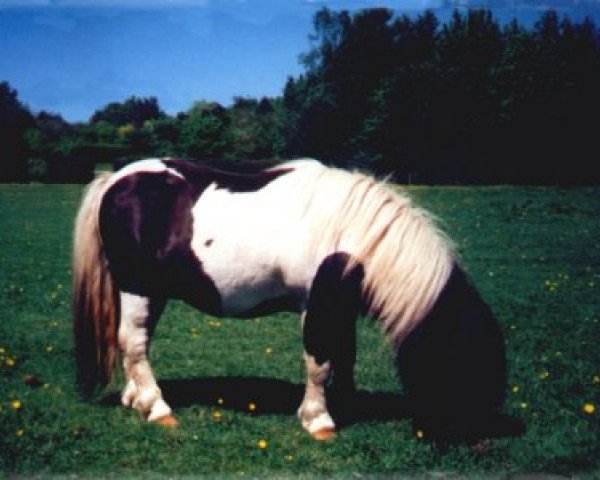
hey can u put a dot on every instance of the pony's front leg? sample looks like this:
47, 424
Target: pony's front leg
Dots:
313, 413
329, 334
138, 319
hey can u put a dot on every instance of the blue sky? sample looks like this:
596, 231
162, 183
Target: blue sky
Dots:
75, 56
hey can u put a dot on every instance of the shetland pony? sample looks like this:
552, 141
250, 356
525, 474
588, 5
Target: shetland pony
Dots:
301, 237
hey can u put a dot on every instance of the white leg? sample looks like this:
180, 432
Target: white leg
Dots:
138, 318
313, 411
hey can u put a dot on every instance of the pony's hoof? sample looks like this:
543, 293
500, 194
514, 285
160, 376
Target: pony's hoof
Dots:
324, 434
168, 421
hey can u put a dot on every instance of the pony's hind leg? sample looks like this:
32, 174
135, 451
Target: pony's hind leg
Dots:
329, 333
138, 319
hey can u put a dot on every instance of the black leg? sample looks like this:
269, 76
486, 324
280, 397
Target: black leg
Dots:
329, 333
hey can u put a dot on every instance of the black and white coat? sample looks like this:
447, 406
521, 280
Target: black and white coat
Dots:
302, 237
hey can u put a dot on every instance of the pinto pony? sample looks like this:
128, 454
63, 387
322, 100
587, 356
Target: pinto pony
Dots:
301, 237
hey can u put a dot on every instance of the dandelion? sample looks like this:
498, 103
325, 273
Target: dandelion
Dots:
16, 405
49, 348
252, 406
515, 389
269, 350
544, 375
216, 415
19, 432
262, 444
589, 408
10, 362
289, 458
420, 434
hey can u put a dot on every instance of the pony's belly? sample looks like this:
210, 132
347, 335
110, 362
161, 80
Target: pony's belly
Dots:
242, 290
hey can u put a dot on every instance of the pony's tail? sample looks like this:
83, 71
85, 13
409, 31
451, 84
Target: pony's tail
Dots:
95, 297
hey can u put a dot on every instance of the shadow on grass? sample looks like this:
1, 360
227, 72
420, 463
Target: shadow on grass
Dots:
266, 396
273, 397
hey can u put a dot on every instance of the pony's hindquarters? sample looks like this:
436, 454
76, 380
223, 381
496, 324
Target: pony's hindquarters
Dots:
95, 297
453, 365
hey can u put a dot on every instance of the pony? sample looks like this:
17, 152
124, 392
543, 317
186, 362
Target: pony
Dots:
299, 236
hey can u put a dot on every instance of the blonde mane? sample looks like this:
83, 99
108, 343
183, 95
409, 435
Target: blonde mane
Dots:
406, 259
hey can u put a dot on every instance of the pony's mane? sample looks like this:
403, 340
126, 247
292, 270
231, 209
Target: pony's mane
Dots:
406, 258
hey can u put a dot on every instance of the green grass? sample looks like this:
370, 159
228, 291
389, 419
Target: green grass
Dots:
534, 253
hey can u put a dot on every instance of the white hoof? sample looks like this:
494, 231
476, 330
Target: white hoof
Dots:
160, 410
321, 423
316, 421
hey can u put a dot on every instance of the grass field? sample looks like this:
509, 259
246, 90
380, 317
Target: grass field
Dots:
534, 253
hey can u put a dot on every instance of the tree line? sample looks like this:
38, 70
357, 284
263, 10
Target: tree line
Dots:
46, 148
466, 101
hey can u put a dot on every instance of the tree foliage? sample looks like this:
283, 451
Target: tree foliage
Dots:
134, 110
468, 101
15, 119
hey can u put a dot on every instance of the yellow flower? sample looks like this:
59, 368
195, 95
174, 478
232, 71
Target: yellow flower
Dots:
216, 415
20, 432
589, 408
262, 444
515, 389
544, 375
289, 458
16, 405
252, 406
2, 351
596, 379
420, 434
524, 405
49, 348
269, 350
10, 362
